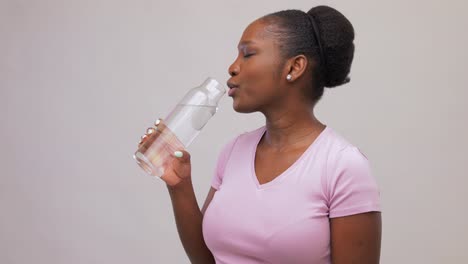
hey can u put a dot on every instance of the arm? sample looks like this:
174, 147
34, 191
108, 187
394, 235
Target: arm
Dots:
187, 214
355, 218
186, 211
356, 238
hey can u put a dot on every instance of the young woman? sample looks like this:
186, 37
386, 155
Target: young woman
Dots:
294, 190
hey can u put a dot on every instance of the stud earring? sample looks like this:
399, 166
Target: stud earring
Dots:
289, 77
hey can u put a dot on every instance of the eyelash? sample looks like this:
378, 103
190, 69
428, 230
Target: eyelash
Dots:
248, 55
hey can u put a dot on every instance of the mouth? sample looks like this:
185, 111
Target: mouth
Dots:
232, 88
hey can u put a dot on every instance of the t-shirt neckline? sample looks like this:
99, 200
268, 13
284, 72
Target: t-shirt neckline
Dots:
286, 172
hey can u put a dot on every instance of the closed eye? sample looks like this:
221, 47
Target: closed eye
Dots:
248, 55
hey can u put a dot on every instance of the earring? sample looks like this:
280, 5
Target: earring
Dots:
289, 77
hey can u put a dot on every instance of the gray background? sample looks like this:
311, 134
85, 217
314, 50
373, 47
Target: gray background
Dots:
81, 80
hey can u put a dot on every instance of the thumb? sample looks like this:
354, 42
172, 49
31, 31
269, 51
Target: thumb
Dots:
182, 156
181, 164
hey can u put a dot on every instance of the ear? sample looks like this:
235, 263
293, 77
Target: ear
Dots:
296, 66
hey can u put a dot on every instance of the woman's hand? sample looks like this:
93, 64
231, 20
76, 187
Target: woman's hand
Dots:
178, 168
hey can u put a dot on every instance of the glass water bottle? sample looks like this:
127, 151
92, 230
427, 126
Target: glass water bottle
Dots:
179, 129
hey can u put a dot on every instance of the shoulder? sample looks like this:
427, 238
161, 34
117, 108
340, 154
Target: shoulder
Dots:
349, 184
344, 160
335, 142
247, 138
237, 146
337, 147
252, 135
242, 140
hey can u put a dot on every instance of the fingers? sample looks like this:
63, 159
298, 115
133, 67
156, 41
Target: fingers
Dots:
150, 130
142, 139
160, 125
177, 165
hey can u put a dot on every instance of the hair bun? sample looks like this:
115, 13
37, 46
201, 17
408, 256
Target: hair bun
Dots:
337, 36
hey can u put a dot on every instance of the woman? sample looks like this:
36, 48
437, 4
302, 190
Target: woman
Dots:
292, 191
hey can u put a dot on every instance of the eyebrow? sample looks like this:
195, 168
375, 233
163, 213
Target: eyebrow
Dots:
245, 43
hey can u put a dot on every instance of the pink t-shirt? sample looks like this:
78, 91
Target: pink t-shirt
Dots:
287, 219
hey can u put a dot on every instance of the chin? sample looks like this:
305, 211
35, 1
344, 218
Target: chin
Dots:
242, 108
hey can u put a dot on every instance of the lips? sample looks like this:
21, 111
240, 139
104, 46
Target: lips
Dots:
232, 91
232, 88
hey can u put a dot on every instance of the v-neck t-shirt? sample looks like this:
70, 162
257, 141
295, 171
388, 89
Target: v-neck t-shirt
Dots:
285, 220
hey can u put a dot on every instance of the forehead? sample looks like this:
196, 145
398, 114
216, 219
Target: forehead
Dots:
256, 34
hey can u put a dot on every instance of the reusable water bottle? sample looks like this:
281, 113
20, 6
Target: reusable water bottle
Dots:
179, 129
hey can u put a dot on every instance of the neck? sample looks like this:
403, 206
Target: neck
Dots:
291, 127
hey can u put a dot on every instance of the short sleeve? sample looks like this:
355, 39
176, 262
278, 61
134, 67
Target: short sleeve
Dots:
352, 188
223, 158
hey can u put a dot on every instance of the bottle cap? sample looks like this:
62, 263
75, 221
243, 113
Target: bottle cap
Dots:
215, 89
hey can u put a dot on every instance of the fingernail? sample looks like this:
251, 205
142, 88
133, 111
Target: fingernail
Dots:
157, 122
150, 130
178, 154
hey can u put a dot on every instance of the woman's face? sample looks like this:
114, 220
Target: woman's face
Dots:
256, 72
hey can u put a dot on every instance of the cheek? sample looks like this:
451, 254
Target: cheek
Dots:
261, 69
261, 79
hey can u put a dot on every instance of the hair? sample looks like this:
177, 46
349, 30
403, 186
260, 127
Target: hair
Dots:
331, 48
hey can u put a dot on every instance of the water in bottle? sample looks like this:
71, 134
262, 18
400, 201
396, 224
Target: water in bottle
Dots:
179, 129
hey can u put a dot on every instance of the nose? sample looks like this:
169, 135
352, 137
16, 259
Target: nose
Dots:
234, 69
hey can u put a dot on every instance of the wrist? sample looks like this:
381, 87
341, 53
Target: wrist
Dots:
182, 186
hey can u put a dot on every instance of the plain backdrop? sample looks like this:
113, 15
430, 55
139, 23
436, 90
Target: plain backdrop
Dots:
81, 81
